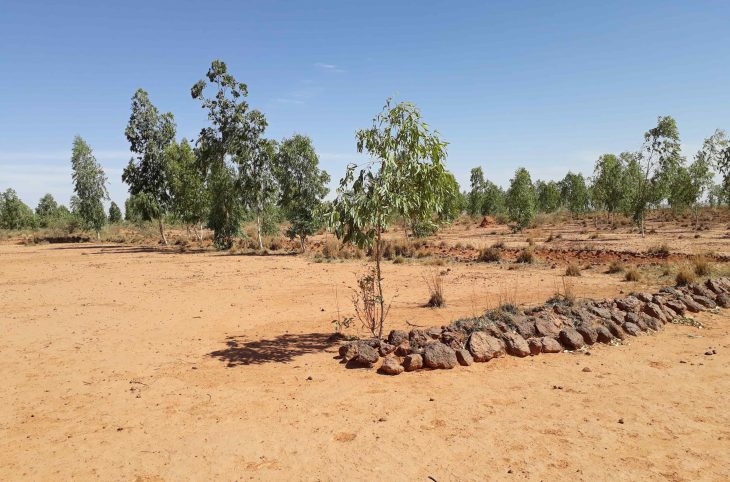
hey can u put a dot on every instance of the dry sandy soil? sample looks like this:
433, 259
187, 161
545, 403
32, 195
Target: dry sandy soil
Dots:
129, 363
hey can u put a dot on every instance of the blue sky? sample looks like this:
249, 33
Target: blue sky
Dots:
545, 85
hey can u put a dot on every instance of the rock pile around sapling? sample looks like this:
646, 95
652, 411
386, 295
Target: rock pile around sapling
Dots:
551, 328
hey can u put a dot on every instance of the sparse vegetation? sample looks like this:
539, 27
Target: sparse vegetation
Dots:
632, 274
616, 266
526, 256
685, 276
490, 255
572, 270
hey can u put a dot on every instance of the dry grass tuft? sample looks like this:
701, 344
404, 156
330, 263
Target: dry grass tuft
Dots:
572, 270
490, 255
702, 266
435, 284
632, 275
685, 276
616, 266
526, 256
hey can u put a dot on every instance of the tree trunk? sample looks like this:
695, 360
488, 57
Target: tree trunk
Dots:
258, 228
301, 242
162, 231
642, 227
381, 298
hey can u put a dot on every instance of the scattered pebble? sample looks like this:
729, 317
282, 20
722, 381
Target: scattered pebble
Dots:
621, 421
586, 369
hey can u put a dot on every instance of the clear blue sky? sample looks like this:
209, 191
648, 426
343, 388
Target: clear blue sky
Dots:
546, 85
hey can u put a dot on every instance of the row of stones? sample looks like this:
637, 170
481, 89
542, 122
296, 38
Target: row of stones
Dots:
550, 328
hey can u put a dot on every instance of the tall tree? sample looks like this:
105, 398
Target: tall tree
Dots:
659, 158
574, 193
476, 194
689, 184
521, 199
548, 196
257, 179
405, 177
303, 185
47, 210
190, 198
149, 133
89, 185
608, 191
233, 137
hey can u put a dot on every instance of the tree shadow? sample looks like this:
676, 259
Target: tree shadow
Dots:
281, 349
126, 249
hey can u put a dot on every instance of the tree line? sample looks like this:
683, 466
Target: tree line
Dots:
630, 183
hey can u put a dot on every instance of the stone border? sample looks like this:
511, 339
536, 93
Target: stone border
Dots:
550, 328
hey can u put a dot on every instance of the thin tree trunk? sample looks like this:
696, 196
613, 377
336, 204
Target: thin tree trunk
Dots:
258, 228
162, 231
380, 285
301, 242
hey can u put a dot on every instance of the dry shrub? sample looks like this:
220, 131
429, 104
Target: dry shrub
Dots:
616, 266
490, 255
685, 276
498, 245
632, 275
702, 266
398, 260
400, 247
566, 295
595, 236
526, 256
366, 300
530, 242
659, 250
572, 270
435, 284
273, 243
331, 248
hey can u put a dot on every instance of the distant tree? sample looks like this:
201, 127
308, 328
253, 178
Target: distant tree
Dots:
46, 211
232, 139
574, 193
716, 196
716, 151
454, 204
257, 180
476, 194
548, 196
14, 213
689, 184
149, 133
521, 199
115, 214
658, 159
493, 199
405, 177
608, 191
303, 186
190, 199
89, 185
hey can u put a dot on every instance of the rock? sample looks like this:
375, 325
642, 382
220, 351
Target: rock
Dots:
403, 349
716, 286
654, 311
588, 333
650, 322
516, 345
645, 297
701, 291
418, 338
391, 366
632, 318
629, 304
692, 305
413, 362
550, 345
603, 334
349, 351
723, 300
454, 339
632, 329
571, 339
704, 301
618, 316
600, 312
525, 326
366, 355
546, 327
464, 357
535, 346
676, 305
438, 355
671, 291
386, 349
396, 337
434, 333
484, 347
587, 370
615, 330
640, 323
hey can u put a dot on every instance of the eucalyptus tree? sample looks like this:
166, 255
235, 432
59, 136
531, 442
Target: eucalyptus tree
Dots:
303, 186
476, 194
689, 184
521, 199
47, 210
607, 190
574, 193
405, 176
257, 181
89, 186
658, 159
716, 151
115, 214
149, 133
190, 200
548, 196
14, 213
233, 138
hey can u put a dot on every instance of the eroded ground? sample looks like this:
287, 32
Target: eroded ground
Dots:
132, 363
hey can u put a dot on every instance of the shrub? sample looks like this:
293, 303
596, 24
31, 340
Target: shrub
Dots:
490, 255
632, 275
685, 276
526, 256
572, 270
398, 260
331, 248
702, 266
435, 284
659, 250
498, 245
530, 242
616, 266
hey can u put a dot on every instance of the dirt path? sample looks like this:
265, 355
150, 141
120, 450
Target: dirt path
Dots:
124, 363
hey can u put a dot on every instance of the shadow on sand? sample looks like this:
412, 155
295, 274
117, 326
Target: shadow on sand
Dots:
281, 349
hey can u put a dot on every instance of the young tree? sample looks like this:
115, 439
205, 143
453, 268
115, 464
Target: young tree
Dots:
303, 185
658, 159
14, 213
47, 210
232, 138
476, 195
716, 151
189, 197
689, 184
256, 178
574, 193
405, 177
548, 196
493, 199
149, 133
608, 190
89, 185
521, 199
115, 214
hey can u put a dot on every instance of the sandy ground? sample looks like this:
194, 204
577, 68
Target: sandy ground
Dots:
126, 363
